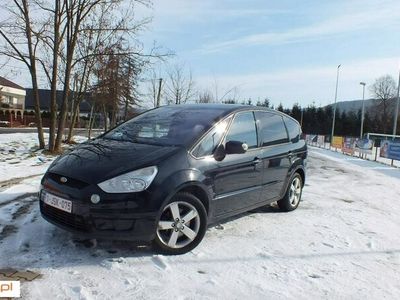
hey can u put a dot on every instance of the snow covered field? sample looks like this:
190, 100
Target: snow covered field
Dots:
342, 242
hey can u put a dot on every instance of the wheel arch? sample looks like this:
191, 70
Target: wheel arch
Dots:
194, 188
302, 173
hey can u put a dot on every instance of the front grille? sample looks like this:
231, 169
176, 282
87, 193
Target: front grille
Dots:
63, 218
71, 182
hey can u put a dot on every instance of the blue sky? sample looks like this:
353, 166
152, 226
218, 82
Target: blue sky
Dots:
285, 50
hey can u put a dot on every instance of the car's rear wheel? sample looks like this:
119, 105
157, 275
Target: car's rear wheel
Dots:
182, 224
292, 197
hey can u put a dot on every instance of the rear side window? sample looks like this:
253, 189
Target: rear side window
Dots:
293, 130
272, 128
243, 129
211, 140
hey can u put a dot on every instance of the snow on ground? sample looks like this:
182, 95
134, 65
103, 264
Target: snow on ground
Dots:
20, 157
374, 156
341, 243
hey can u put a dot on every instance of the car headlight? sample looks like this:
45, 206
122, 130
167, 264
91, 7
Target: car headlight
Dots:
135, 181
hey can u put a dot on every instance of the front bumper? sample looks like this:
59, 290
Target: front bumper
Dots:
138, 228
118, 220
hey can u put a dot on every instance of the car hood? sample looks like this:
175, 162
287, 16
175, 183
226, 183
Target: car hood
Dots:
102, 159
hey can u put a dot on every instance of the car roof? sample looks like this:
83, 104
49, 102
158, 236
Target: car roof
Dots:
225, 109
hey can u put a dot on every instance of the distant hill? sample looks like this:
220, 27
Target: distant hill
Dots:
356, 105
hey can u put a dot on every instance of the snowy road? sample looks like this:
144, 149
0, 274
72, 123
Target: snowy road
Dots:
342, 242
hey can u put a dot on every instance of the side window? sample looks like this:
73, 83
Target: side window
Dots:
293, 129
273, 130
243, 129
211, 140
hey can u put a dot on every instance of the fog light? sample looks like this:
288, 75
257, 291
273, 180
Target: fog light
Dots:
95, 198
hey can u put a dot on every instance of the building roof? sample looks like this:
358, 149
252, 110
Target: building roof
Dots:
6, 82
44, 96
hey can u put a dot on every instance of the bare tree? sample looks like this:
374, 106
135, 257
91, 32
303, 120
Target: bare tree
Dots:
53, 39
109, 37
4, 63
21, 37
76, 13
226, 95
384, 89
96, 34
205, 96
66, 39
116, 87
180, 85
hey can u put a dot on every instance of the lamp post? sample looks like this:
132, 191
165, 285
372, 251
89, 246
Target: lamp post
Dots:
396, 112
301, 118
334, 107
362, 110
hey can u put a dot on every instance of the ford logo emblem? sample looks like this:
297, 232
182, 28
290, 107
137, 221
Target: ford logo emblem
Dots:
63, 180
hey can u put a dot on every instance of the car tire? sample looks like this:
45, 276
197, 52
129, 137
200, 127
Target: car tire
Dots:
293, 193
181, 226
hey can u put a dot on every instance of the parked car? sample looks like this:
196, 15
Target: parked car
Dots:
4, 124
168, 173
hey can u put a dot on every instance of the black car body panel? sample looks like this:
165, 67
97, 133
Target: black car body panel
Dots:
237, 183
83, 162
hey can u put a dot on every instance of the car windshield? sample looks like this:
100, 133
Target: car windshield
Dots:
169, 125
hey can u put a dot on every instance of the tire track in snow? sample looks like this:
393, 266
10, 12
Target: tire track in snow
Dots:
23, 211
20, 197
8, 183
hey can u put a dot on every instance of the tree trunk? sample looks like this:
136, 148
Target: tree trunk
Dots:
105, 117
82, 87
53, 88
37, 108
32, 59
63, 111
90, 122
72, 36
73, 120
32, 69
126, 110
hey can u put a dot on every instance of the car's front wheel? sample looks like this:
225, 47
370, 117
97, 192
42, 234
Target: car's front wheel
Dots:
292, 197
182, 224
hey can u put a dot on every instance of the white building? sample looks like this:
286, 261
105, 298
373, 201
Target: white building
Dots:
12, 101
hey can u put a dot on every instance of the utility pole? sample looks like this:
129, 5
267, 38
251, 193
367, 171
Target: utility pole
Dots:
301, 118
362, 110
334, 107
396, 112
159, 92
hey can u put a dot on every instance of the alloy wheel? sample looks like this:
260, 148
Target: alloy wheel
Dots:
179, 225
295, 192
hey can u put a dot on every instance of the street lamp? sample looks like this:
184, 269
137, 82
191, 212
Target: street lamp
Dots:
301, 117
396, 112
362, 110
334, 107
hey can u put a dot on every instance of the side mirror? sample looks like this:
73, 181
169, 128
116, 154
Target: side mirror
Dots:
220, 153
235, 147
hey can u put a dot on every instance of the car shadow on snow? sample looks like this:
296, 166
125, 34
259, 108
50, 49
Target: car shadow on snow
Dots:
42, 245
266, 209
98, 249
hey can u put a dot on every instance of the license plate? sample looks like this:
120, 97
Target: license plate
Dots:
57, 202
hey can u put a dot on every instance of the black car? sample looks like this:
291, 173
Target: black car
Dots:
166, 174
